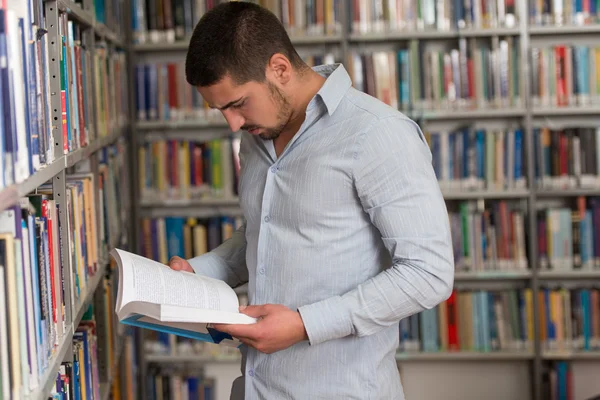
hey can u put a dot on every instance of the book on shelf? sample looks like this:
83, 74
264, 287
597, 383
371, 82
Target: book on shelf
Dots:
568, 237
489, 236
557, 381
472, 320
564, 13
420, 78
163, 238
153, 296
569, 319
375, 16
175, 20
26, 139
567, 158
163, 94
470, 158
564, 75
183, 170
179, 382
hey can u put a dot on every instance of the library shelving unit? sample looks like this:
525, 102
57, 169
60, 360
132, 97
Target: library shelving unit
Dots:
63, 152
509, 87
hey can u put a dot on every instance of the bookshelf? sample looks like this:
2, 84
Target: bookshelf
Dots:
63, 152
511, 105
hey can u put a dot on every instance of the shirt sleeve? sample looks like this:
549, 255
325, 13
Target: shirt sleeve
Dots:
398, 189
226, 262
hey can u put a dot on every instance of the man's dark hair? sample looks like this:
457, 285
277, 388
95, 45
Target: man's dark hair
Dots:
236, 38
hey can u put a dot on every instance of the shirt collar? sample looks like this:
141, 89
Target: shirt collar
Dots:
337, 83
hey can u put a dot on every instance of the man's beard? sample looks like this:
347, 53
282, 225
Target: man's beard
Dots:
284, 114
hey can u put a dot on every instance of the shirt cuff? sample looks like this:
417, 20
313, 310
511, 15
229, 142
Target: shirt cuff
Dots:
326, 320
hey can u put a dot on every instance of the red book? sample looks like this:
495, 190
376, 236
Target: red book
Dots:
453, 341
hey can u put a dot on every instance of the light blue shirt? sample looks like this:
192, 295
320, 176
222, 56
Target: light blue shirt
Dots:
348, 225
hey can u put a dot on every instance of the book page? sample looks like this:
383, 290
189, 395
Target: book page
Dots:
150, 281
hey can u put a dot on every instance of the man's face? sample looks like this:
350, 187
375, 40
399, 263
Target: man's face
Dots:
260, 108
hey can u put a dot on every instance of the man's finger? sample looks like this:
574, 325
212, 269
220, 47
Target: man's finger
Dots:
254, 311
237, 330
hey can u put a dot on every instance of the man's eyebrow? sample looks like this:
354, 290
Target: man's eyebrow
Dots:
226, 106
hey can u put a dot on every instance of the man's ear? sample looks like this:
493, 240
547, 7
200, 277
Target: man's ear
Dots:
279, 69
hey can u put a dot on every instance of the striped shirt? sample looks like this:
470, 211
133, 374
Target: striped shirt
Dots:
349, 227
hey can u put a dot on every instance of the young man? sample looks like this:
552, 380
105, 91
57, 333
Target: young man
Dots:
346, 229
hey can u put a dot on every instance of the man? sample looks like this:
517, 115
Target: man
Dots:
346, 230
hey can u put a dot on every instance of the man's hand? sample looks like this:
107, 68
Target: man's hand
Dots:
277, 328
179, 264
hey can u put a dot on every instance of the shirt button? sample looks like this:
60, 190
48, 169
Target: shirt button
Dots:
251, 373
274, 169
262, 271
267, 218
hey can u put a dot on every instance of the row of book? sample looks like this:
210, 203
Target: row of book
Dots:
163, 94
502, 320
34, 281
478, 159
568, 236
25, 117
173, 20
176, 382
102, 349
564, 12
93, 91
368, 16
489, 236
186, 237
557, 381
155, 21
567, 158
480, 321
565, 75
84, 73
182, 170
466, 77
464, 159
570, 319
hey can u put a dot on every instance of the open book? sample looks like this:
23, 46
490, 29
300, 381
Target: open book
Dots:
151, 295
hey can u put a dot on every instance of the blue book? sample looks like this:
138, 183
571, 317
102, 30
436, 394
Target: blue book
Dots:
153, 296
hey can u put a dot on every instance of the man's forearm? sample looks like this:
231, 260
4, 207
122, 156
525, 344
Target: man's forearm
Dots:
227, 262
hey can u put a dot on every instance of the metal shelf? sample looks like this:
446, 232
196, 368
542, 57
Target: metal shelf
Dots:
467, 114
563, 30
182, 45
88, 19
77, 13
191, 358
202, 211
485, 194
432, 34
491, 275
548, 193
592, 355
181, 124
48, 379
465, 356
10, 196
483, 32
573, 275
566, 111
208, 201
